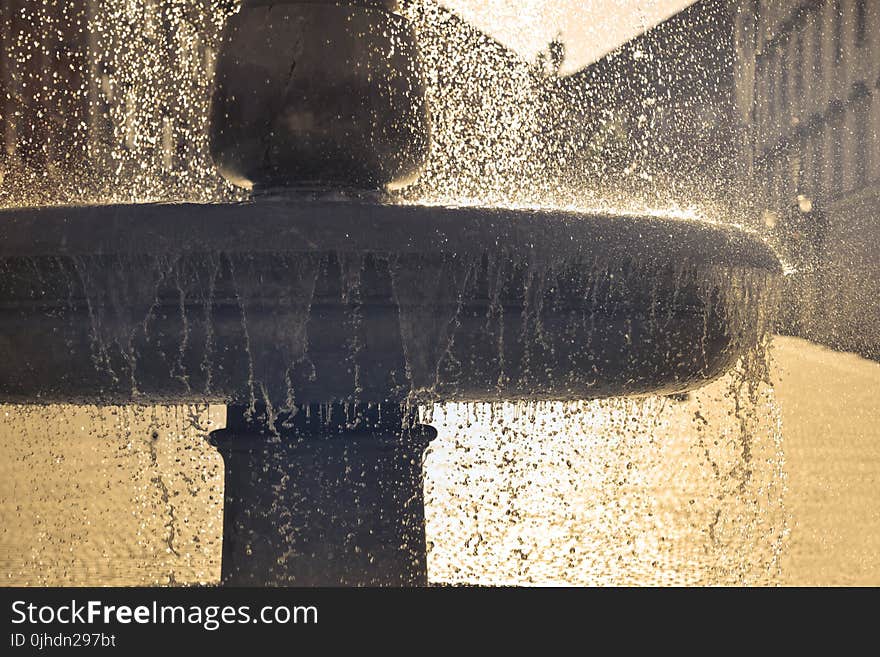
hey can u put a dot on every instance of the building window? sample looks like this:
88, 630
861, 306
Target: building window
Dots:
861, 19
799, 61
776, 183
816, 78
783, 80
837, 136
817, 138
798, 164
862, 117
874, 134
770, 180
759, 106
786, 179
837, 17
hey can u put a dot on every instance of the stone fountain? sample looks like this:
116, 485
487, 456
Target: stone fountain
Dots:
322, 313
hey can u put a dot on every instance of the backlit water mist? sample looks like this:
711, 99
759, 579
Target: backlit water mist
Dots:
687, 489
107, 101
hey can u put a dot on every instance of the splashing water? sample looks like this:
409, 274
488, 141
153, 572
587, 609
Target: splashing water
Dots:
611, 492
110, 494
122, 117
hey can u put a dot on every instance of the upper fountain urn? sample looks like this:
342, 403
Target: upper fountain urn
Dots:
326, 95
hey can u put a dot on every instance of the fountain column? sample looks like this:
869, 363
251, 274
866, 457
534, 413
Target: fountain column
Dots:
331, 497
326, 97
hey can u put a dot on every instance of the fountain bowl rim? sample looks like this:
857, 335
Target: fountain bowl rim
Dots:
273, 225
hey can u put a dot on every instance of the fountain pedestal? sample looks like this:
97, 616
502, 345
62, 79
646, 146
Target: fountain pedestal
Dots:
331, 497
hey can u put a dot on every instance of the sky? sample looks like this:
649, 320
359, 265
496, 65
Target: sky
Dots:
588, 28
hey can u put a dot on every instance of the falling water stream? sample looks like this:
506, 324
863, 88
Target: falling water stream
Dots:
658, 490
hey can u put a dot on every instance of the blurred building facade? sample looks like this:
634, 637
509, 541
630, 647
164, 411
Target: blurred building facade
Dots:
660, 108
807, 94
45, 84
97, 96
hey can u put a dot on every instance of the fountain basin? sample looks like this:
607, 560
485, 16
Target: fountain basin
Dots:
292, 300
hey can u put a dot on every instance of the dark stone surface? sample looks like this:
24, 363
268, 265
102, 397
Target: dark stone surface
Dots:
328, 501
356, 302
319, 95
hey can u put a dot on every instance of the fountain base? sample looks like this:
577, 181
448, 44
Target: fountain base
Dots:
331, 496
